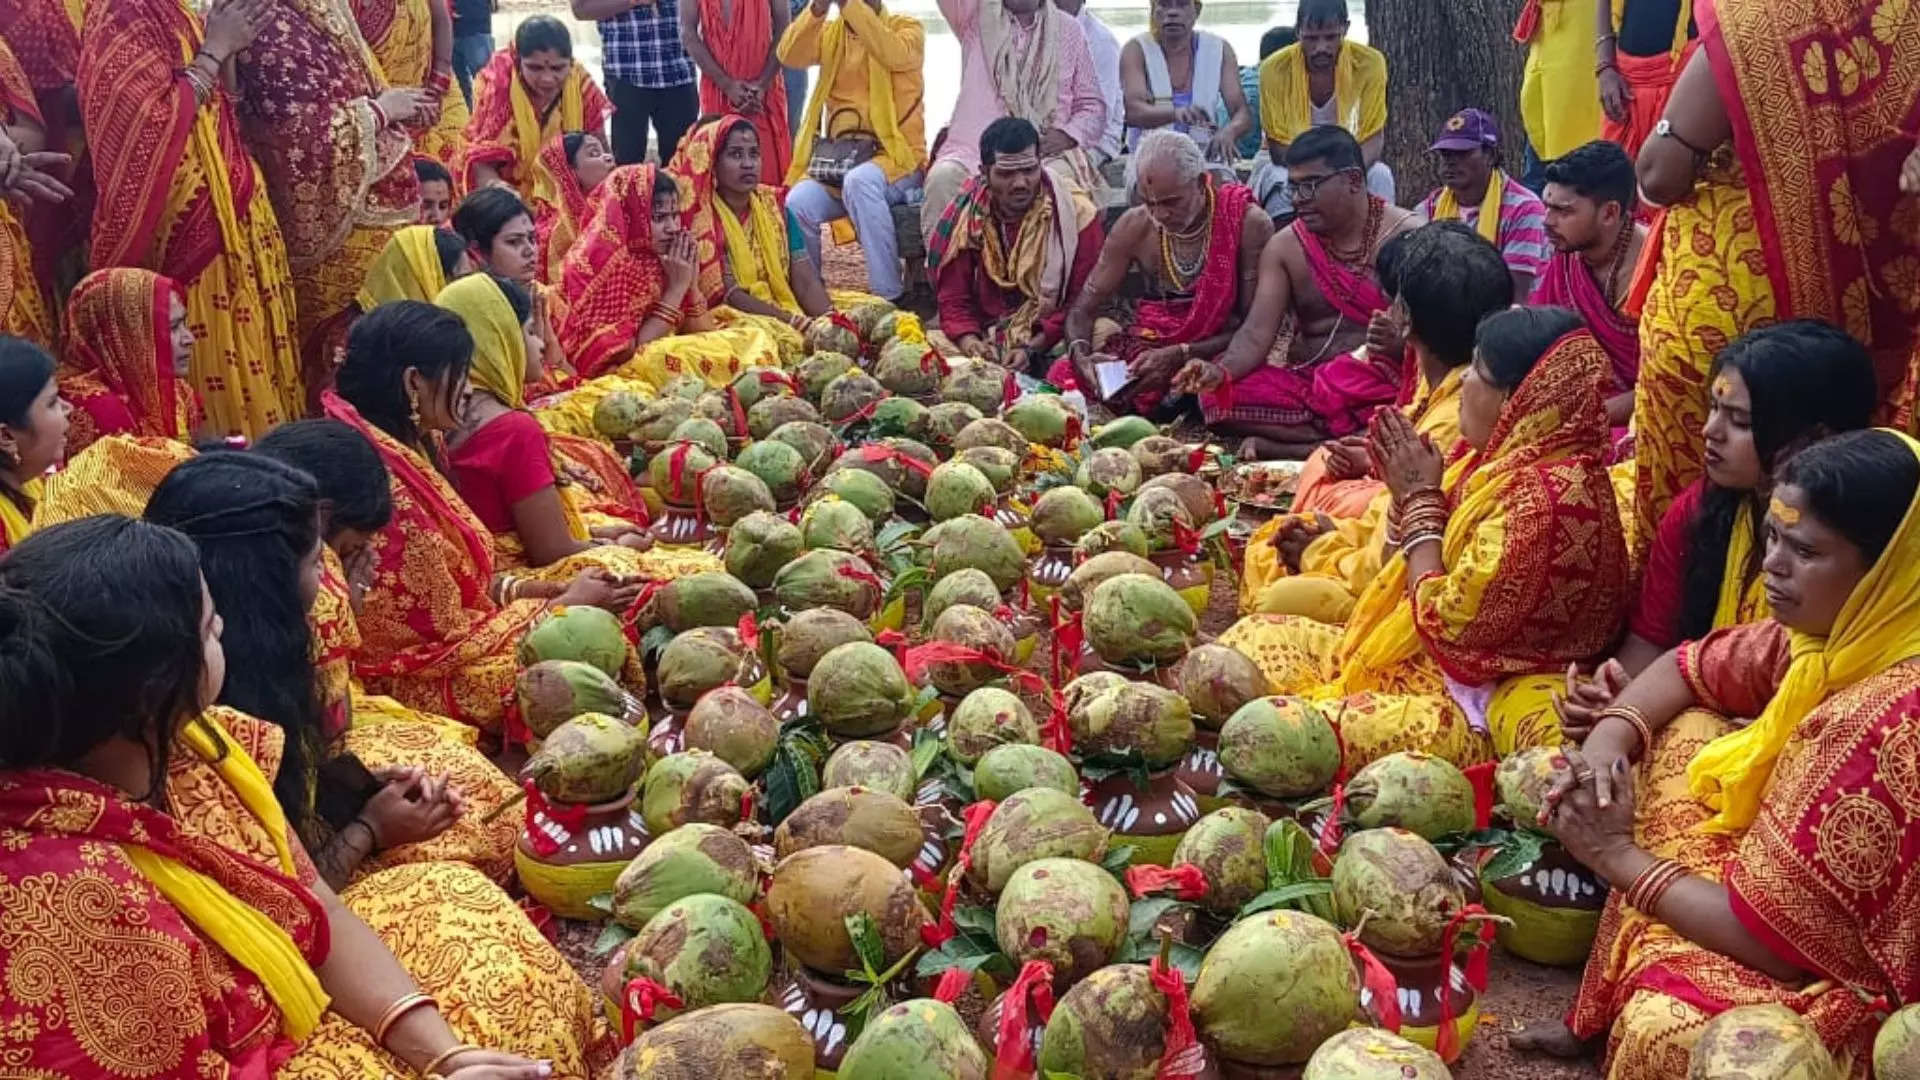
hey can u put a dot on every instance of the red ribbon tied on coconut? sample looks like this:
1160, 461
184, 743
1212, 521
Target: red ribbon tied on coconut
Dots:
1187, 881
1113, 505
1072, 437
630, 619
1030, 995
841, 320
1330, 829
739, 412
770, 377
1446, 1039
749, 630
875, 453
1196, 457
642, 998
1185, 537
1009, 391
953, 982
864, 412
864, 577
932, 363
1481, 777
895, 642
1181, 1055
513, 724
1380, 984
571, 818
975, 815
677, 470
920, 657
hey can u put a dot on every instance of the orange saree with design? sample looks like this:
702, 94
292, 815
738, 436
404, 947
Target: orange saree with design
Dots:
118, 371
25, 314
507, 130
400, 33
432, 638
612, 277
181, 195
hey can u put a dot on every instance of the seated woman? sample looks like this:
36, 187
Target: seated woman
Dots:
509, 470
1509, 560
257, 523
213, 899
632, 305
569, 170
33, 433
502, 240
440, 629
529, 93
128, 350
1769, 863
416, 264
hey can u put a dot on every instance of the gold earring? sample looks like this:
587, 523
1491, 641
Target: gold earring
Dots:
413, 410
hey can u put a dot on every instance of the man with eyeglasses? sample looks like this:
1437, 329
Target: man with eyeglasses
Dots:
1342, 352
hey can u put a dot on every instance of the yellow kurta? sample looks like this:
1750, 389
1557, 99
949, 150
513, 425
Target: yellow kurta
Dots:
1560, 94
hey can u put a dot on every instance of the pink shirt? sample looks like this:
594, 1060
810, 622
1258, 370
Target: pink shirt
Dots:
1081, 113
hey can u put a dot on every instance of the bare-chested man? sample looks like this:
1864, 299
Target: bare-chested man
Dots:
1316, 282
1197, 241
1590, 197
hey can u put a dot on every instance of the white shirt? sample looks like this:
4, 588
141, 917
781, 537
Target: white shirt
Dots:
1106, 64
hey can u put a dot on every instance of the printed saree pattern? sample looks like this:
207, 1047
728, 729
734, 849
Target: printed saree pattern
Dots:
400, 33
507, 131
119, 360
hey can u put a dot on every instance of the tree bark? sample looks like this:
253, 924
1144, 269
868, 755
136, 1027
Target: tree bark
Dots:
1444, 56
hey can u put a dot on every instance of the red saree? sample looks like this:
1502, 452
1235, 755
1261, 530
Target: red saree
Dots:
612, 277
560, 208
1824, 96
119, 360
506, 130
1568, 283
742, 41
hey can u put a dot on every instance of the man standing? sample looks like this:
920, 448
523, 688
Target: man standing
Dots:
1590, 197
1343, 360
1196, 242
1019, 58
1178, 77
1638, 60
1321, 79
1477, 192
472, 41
1011, 251
1104, 47
1559, 99
649, 75
732, 43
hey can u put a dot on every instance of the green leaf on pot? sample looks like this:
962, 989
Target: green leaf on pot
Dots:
1145, 913
1289, 849
1292, 896
1521, 850
601, 902
1221, 525
1117, 860
867, 945
612, 936
925, 751
974, 919
969, 952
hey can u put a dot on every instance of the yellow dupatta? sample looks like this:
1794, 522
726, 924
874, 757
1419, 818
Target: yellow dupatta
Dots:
18, 523
880, 106
755, 248
1286, 105
1878, 627
256, 942
529, 133
408, 268
1488, 224
1741, 601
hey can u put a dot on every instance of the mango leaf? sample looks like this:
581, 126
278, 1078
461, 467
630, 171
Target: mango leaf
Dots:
974, 919
1117, 860
968, 951
924, 698
612, 936
601, 902
1289, 849
894, 535
926, 750
655, 640
1521, 850
1288, 896
910, 577
1146, 912
1221, 525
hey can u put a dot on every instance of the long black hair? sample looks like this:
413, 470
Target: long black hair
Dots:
352, 479
255, 520
24, 371
388, 340
481, 215
1805, 381
1509, 343
448, 246
99, 637
1860, 484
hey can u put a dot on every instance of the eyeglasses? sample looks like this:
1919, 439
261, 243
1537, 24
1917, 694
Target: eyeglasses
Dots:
1309, 189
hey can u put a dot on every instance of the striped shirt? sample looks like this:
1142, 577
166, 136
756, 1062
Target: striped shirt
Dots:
1523, 226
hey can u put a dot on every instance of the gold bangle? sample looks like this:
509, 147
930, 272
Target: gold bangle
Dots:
1652, 883
406, 1004
1634, 718
432, 1067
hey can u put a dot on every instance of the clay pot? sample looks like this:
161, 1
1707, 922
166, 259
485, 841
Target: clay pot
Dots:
682, 526
1151, 820
815, 1001
1190, 575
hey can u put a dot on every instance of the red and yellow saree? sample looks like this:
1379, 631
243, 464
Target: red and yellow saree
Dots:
560, 207
181, 195
400, 33
431, 636
25, 313
118, 373
507, 130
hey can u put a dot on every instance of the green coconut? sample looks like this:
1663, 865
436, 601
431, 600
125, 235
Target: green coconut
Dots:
919, 1039
1403, 882
1068, 912
756, 384
866, 316
553, 692
1123, 432
862, 489
1034, 823
729, 493
849, 396
968, 586
878, 766
1274, 987
819, 369
716, 1040
815, 889
973, 628
1134, 717
1089, 575
1111, 536
588, 634
1196, 495
815, 443
1110, 1024
730, 723
1157, 511
1043, 418
1366, 1053
986, 718
858, 690
898, 416
702, 432
1080, 692
956, 488
980, 543
914, 480
1896, 1049
1000, 466
686, 387
700, 659
829, 577
660, 416
617, 416
1415, 791
758, 545
1282, 747
676, 470
1217, 681
690, 860
827, 334
1522, 781
705, 599
833, 522
989, 431
1228, 845
947, 420
1109, 470
778, 465
1138, 619
976, 382
875, 821
1766, 1041
707, 949
691, 786
1159, 454
810, 634
909, 368
591, 758
1063, 515
1013, 767
769, 414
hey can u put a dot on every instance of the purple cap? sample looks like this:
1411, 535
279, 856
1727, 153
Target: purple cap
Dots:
1468, 129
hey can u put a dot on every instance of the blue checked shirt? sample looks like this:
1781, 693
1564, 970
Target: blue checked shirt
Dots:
642, 47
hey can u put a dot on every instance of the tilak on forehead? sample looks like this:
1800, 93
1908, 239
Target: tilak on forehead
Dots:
1786, 515
1020, 162
1722, 384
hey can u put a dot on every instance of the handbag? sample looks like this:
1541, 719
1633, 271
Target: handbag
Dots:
836, 156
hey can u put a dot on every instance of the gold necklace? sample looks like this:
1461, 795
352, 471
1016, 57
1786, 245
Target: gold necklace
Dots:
1182, 273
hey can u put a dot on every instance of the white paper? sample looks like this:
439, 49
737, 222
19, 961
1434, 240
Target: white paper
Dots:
1112, 375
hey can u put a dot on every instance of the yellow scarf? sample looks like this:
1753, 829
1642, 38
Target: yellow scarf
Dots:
17, 522
880, 108
1286, 105
1488, 224
1436, 412
529, 133
756, 260
1740, 600
242, 931
408, 268
1878, 627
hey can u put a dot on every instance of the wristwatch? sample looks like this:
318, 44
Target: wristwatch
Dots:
1664, 130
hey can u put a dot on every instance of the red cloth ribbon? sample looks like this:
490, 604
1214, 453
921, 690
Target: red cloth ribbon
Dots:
1196, 457
1446, 1040
1330, 829
513, 725
770, 377
947, 652
759, 910
1380, 983
895, 642
874, 453
676, 474
537, 914
739, 413
1069, 637
1026, 594
975, 815
1072, 438
1009, 391
932, 363
1219, 504
1185, 537
1181, 1055
571, 818
864, 577
953, 982
746, 805
642, 998
631, 618
1187, 881
1013, 1039
1529, 22
864, 412
749, 630
1113, 505
841, 320
1481, 777
793, 515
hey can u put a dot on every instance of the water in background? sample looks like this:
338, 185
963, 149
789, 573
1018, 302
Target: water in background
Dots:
1241, 22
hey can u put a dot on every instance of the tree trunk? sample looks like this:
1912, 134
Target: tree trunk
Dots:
1444, 56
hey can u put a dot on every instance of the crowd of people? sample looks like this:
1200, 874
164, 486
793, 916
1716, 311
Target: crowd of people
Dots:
305, 306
